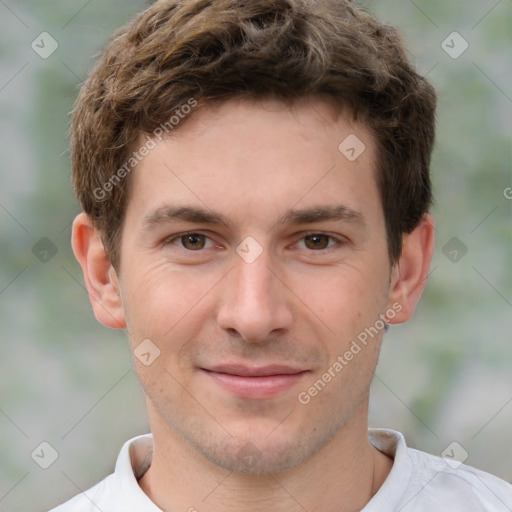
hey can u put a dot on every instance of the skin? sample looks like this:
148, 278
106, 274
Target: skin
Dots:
301, 302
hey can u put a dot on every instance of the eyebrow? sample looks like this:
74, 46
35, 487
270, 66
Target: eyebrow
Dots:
199, 215
186, 213
322, 214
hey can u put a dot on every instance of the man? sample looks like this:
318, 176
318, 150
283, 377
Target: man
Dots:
254, 178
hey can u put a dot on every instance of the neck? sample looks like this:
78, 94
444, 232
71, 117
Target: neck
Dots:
343, 476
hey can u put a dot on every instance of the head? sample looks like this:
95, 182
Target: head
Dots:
255, 184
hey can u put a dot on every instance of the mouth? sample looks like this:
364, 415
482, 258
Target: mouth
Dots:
255, 382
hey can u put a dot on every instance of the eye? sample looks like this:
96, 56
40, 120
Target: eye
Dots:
192, 241
319, 241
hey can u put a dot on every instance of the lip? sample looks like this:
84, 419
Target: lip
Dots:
258, 382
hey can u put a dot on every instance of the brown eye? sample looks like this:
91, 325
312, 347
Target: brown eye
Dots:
193, 242
317, 241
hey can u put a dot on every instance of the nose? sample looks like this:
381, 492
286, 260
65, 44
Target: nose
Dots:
255, 302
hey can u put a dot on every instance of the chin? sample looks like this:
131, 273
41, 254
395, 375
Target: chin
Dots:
265, 459
264, 450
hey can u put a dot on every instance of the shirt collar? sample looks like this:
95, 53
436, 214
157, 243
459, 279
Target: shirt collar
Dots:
133, 461
392, 443
135, 458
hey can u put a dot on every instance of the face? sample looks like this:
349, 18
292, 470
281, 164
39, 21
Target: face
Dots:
254, 260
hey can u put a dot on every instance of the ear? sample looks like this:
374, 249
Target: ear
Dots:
99, 274
409, 275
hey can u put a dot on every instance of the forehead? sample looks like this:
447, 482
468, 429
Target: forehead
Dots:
259, 157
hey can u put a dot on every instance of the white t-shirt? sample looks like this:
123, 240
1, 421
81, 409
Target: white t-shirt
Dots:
417, 482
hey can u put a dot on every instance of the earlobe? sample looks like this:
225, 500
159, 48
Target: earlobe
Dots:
100, 277
409, 275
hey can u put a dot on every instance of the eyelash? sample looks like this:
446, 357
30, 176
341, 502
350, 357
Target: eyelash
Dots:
338, 240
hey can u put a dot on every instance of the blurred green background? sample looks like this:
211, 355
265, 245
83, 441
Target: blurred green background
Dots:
445, 376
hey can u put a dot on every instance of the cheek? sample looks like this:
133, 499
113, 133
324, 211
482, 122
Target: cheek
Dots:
169, 308
346, 299
350, 303
158, 298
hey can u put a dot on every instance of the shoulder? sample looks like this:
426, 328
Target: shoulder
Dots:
444, 483
120, 491
421, 482
89, 501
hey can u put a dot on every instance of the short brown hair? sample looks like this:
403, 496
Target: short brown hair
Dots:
216, 50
